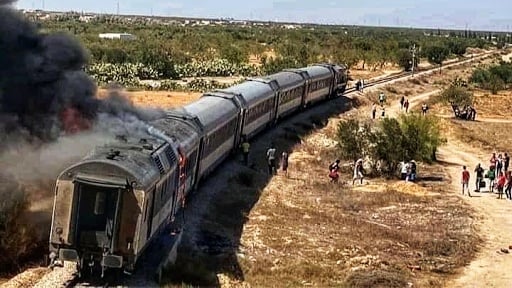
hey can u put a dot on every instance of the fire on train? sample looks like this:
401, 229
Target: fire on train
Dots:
110, 205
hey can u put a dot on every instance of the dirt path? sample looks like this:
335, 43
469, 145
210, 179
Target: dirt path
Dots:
489, 269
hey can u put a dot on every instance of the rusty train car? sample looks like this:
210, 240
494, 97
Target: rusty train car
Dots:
110, 205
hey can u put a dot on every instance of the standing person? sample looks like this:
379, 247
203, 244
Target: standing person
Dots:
506, 162
424, 109
402, 101
358, 171
491, 174
406, 105
501, 184
245, 150
465, 180
493, 160
271, 159
508, 185
284, 163
374, 110
383, 112
333, 171
479, 171
358, 85
382, 98
362, 85
412, 176
403, 170
499, 164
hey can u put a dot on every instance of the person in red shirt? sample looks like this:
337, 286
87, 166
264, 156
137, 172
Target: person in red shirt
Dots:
465, 180
502, 179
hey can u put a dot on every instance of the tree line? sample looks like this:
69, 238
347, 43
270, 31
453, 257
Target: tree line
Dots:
174, 51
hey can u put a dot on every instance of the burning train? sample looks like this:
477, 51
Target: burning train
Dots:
109, 206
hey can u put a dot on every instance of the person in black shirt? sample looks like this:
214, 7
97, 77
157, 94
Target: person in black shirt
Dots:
479, 171
506, 162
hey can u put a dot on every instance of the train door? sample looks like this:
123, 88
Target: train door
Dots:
148, 215
97, 214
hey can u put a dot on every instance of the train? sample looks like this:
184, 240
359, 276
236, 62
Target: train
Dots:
110, 205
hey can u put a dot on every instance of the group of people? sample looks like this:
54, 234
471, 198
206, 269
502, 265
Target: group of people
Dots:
334, 168
468, 112
404, 104
500, 178
271, 156
408, 170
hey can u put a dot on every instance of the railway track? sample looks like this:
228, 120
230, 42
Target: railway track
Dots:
66, 277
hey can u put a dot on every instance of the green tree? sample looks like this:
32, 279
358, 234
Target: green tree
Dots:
437, 55
421, 137
457, 47
404, 59
354, 139
233, 54
389, 144
455, 95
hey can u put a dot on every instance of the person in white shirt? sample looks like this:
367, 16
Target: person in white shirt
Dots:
403, 170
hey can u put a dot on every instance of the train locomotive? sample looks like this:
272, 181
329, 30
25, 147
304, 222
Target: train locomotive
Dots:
110, 205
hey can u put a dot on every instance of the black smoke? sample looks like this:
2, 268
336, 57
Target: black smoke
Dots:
41, 75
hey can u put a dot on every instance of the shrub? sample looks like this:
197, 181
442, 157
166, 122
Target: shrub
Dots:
391, 89
18, 240
415, 81
411, 136
456, 95
354, 139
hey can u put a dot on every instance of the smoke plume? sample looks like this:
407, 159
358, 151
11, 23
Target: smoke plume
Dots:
43, 88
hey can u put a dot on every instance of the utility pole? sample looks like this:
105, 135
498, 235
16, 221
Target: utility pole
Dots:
117, 7
413, 51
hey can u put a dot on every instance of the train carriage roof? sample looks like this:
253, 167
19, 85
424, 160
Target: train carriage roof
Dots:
133, 162
184, 131
251, 91
285, 79
316, 72
212, 111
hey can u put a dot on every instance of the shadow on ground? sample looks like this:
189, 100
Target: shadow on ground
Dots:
216, 213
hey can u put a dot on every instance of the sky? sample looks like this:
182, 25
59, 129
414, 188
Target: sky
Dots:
455, 14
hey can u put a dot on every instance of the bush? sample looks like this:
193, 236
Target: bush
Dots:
17, 239
354, 139
409, 137
456, 95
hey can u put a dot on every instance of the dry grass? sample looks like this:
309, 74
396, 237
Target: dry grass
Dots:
488, 137
161, 99
306, 230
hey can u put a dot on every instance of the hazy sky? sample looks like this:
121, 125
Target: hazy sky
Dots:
487, 15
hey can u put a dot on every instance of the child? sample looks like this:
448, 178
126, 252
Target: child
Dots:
284, 163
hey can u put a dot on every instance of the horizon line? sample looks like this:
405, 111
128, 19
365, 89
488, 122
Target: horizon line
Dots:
269, 21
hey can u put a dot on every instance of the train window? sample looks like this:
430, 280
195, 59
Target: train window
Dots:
220, 136
99, 203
